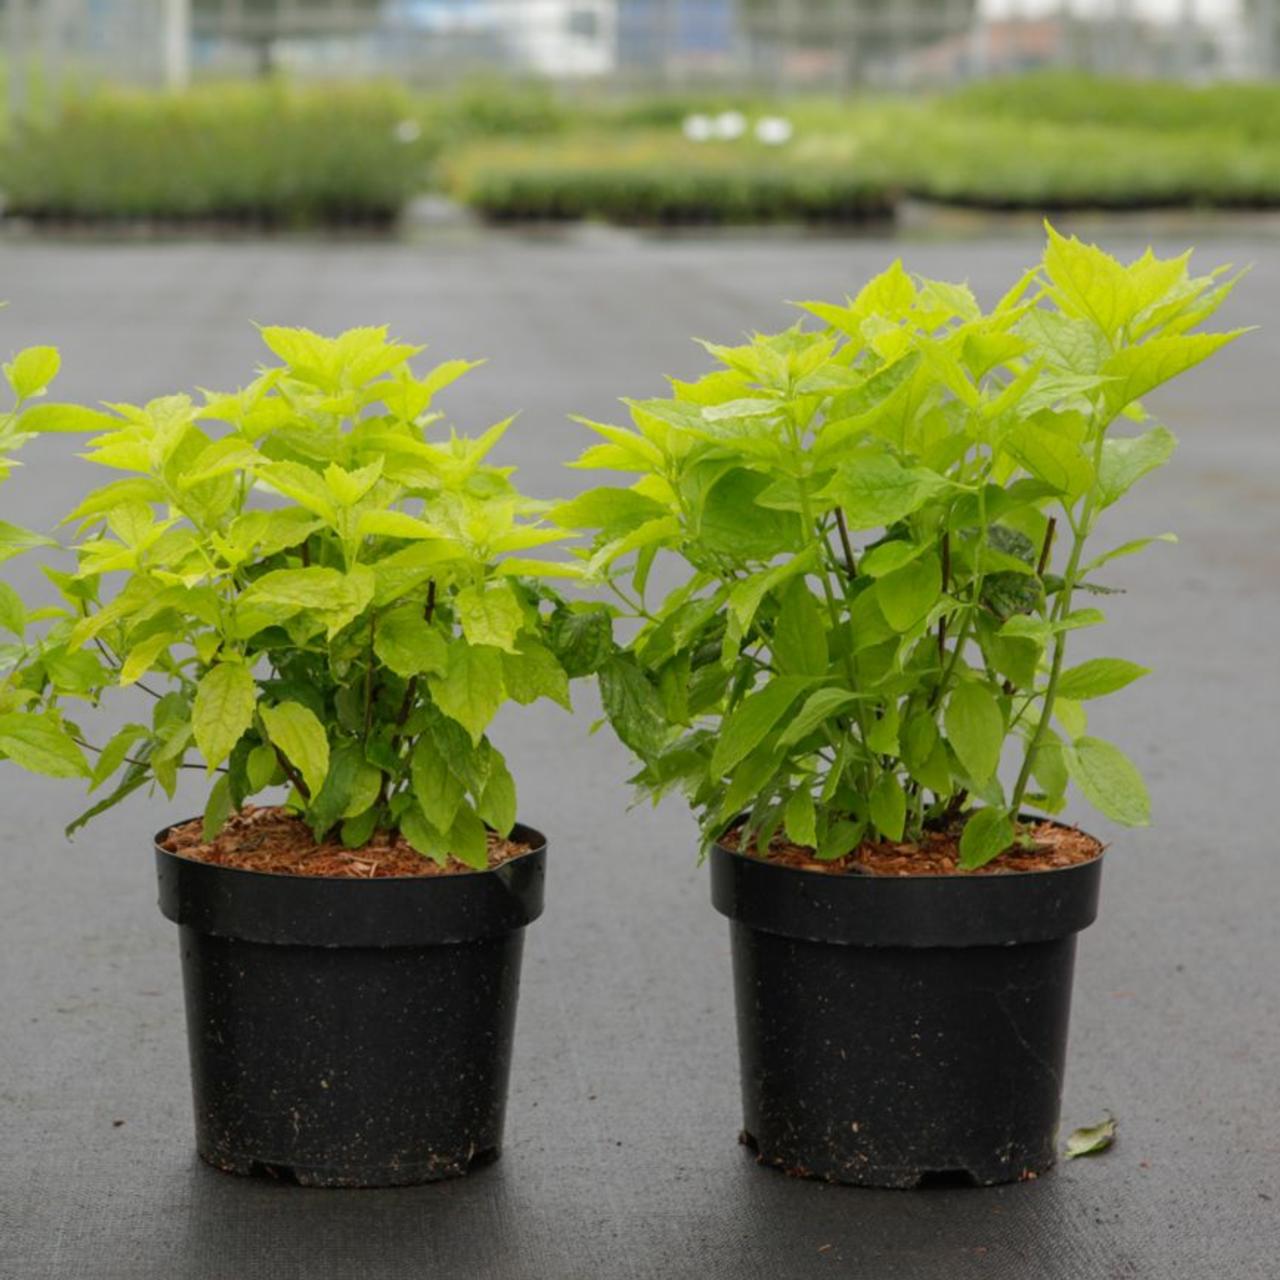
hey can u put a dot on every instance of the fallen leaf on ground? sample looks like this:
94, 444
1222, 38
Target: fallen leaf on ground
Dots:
1092, 1140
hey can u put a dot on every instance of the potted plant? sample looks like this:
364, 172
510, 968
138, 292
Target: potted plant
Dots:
314, 588
883, 524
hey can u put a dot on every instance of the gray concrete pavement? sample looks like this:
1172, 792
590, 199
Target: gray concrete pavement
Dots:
621, 1157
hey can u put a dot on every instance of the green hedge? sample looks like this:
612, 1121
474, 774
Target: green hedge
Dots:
661, 180
266, 153
1244, 110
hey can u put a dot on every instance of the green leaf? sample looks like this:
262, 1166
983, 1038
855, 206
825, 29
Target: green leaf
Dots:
68, 418
800, 819
40, 744
800, 637
581, 639
300, 736
14, 541
1125, 460
732, 522
889, 556
747, 594
612, 511
497, 804
1050, 456
471, 689
13, 614
1126, 549
30, 371
423, 836
758, 713
337, 597
634, 707
261, 768
888, 805
975, 729
328, 806
490, 615
874, 490
907, 594
435, 787
1098, 677
409, 645
1091, 1140
987, 834
533, 672
1137, 369
218, 807
1109, 781
468, 840
819, 706
223, 710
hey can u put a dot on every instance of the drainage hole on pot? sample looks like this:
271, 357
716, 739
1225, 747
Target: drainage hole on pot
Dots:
945, 1179
274, 1172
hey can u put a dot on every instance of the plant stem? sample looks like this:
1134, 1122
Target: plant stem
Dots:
850, 567
1059, 611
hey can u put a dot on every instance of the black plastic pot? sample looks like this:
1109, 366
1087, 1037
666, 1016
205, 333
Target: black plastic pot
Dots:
902, 1031
351, 1033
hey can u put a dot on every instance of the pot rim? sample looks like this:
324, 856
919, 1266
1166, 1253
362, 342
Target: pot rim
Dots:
859, 874
537, 845
935, 910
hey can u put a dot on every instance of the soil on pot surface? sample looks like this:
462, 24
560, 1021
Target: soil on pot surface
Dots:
938, 853
276, 841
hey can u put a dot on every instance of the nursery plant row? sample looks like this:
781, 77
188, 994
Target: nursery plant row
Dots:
886, 526
282, 155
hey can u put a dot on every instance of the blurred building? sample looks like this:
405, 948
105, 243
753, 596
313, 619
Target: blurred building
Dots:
828, 43
676, 37
777, 45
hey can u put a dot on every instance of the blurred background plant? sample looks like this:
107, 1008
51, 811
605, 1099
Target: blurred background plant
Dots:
306, 112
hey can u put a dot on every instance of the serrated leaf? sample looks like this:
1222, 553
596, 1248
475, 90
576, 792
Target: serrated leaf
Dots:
874, 490
986, 835
223, 710
301, 738
490, 615
13, 613
818, 707
1125, 460
888, 806
758, 713
1097, 677
907, 594
40, 744
471, 689
468, 839
633, 706
30, 371
409, 645
435, 787
1109, 781
975, 729
217, 808
533, 672
799, 637
497, 805
800, 819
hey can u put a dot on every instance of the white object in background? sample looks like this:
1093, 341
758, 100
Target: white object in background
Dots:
176, 34
408, 131
730, 125
698, 128
774, 131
